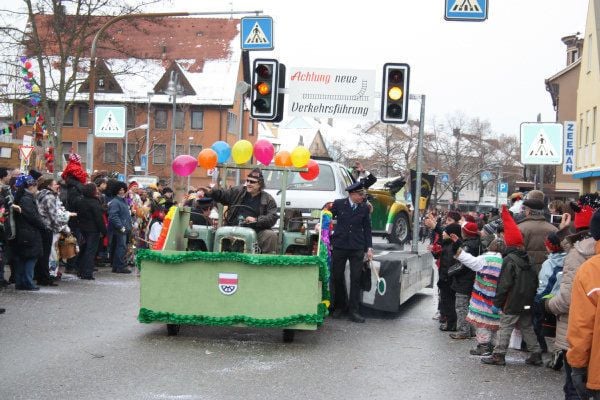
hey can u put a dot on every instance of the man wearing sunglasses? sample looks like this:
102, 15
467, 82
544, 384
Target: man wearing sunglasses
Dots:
251, 206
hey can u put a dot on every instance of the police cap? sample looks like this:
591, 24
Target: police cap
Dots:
355, 187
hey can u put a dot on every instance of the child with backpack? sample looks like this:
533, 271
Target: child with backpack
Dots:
515, 294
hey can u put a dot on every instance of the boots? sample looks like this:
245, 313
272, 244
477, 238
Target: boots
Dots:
494, 359
482, 349
460, 335
448, 327
534, 359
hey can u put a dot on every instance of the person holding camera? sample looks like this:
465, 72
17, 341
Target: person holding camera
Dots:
119, 220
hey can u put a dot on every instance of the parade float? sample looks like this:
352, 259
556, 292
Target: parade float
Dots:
232, 284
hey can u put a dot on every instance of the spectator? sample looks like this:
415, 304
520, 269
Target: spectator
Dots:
92, 229
119, 219
447, 294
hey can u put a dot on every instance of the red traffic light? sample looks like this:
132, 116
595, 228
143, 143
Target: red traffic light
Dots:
263, 71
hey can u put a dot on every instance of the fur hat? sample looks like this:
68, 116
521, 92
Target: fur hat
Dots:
470, 229
454, 215
512, 235
535, 200
452, 228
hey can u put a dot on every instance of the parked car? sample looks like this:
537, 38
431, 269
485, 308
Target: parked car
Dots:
390, 218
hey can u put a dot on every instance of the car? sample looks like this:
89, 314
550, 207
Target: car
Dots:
390, 218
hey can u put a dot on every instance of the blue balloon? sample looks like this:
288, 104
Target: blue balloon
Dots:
223, 151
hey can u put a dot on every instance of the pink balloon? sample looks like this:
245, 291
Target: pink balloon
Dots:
184, 165
264, 151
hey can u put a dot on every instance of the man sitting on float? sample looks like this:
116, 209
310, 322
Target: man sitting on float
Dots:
249, 205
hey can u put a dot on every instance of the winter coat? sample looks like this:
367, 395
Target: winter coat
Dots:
517, 284
535, 229
90, 215
119, 215
267, 216
583, 334
52, 212
446, 260
579, 249
463, 281
553, 266
29, 228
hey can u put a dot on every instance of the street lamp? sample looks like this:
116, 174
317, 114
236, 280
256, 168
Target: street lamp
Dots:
143, 126
173, 89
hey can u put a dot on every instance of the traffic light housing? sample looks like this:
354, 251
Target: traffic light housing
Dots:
265, 89
394, 93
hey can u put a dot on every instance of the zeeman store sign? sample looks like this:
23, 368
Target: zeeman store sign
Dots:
569, 148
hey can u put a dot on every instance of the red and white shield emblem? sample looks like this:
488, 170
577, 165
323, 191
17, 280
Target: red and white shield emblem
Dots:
228, 283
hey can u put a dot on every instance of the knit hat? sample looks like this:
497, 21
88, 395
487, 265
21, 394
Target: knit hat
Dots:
452, 228
25, 181
489, 229
74, 157
535, 200
470, 229
497, 245
454, 215
595, 225
133, 185
469, 218
512, 235
552, 242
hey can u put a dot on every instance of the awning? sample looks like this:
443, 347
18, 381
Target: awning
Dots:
586, 174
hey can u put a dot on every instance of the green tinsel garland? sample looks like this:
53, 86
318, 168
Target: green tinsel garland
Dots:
148, 316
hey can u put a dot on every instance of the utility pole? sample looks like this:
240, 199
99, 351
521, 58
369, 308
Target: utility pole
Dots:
417, 199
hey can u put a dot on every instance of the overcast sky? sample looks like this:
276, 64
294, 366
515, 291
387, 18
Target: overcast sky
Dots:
493, 70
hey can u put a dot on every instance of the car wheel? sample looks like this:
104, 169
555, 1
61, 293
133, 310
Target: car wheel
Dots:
400, 228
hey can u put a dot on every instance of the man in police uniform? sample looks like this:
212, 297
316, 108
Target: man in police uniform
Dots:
350, 241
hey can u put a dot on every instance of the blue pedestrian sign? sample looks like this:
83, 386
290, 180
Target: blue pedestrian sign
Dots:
143, 161
486, 176
121, 177
257, 33
466, 10
541, 143
503, 187
444, 178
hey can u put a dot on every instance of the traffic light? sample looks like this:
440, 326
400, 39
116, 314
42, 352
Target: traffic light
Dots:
394, 93
265, 88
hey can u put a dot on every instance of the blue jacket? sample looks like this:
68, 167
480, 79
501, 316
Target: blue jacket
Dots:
119, 215
550, 275
353, 228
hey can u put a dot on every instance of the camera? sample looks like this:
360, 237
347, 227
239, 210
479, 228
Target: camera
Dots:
555, 219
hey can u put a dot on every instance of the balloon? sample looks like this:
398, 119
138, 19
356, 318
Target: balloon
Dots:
23, 59
300, 156
27, 64
30, 75
313, 171
35, 89
241, 151
223, 151
184, 165
28, 86
283, 159
264, 151
207, 158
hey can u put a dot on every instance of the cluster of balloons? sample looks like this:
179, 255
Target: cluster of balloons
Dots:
242, 151
30, 84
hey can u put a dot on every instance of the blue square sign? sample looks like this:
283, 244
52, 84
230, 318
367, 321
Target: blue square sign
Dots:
541, 143
466, 10
257, 33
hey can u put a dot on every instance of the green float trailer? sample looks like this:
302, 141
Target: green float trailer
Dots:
226, 288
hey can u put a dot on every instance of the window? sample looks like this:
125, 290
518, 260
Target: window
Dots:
195, 149
160, 119
325, 180
111, 153
159, 154
82, 151
231, 122
250, 127
82, 116
130, 116
68, 118
67, 147
179, 119
589, 53
197, 119
594, 124
580, 131
132, 151
587, 127
179, 150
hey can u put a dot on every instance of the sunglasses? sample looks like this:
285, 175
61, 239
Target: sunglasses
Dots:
251, 181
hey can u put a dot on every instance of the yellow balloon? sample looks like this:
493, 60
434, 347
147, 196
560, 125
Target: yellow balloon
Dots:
35, 89
300, 156
241, 152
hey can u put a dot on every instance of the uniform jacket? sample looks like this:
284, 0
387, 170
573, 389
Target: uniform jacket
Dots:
29, 227
353, 228
583, 334
119, 215
579, 248
268, 207
517, 283
535, 229
52, 212
90, 215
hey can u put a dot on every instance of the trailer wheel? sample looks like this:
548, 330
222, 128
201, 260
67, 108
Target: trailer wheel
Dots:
173, 329
288, 335
400, 229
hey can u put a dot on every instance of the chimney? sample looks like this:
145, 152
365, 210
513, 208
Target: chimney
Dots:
574, 46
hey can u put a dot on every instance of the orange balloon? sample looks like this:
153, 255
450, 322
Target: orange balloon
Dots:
207, 158
283, 159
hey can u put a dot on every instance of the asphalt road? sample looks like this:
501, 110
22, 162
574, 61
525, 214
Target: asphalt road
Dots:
82, 340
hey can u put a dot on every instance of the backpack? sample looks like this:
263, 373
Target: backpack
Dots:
526, 280
8, 230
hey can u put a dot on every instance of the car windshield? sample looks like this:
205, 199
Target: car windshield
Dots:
324, 181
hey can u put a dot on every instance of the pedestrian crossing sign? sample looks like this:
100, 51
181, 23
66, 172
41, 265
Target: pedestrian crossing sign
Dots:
110, 121
541, 143
257, 33
466, 10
